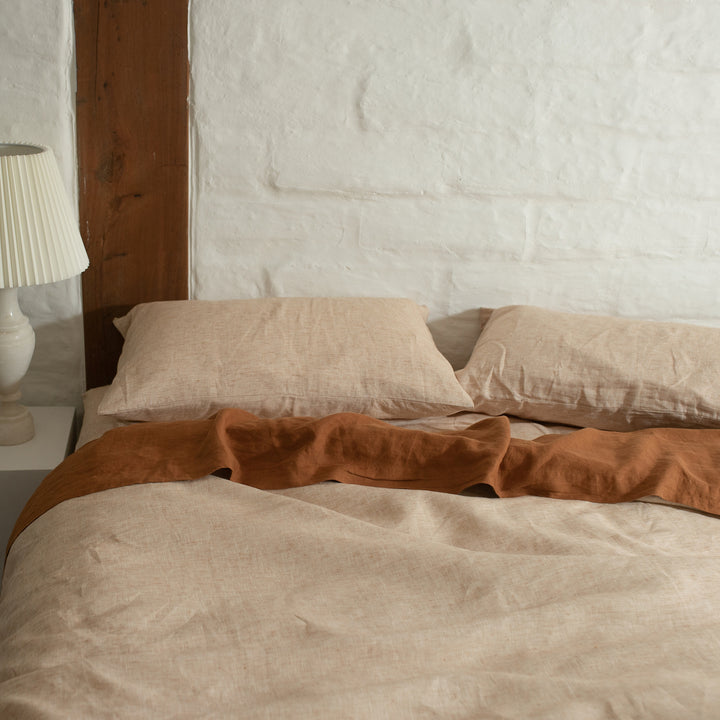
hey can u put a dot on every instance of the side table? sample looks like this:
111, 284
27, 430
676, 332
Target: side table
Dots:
22, 467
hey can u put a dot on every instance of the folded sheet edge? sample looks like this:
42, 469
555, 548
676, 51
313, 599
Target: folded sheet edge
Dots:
678, 465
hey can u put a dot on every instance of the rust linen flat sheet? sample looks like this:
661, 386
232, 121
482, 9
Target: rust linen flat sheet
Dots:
678, 465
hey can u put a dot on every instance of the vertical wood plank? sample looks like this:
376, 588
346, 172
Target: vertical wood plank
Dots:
132, 127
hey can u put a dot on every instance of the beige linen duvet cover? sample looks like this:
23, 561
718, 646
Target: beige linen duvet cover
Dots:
213, 599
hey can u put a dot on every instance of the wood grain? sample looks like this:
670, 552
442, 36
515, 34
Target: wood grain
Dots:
132, 127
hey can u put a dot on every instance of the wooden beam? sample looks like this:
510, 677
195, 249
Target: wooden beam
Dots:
132, 130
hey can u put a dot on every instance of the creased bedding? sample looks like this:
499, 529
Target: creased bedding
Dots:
217, 600
677, 465
212, 598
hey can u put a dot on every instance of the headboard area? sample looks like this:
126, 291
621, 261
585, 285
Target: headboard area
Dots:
132, 134
466, 154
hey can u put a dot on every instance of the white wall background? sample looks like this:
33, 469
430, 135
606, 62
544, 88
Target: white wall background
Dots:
464, 153
460, 152
37, 104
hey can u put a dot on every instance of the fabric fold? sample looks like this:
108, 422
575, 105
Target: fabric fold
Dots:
678, 465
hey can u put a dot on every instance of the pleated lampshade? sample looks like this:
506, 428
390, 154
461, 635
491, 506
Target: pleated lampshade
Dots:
39, 243
39, 237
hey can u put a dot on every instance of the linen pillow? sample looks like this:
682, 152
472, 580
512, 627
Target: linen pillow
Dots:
595, 371
455, 335
281, 356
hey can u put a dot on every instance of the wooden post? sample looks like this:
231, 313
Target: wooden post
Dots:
132, 134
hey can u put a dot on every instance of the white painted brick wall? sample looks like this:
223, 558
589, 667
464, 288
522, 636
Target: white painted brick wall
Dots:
464, 153
461, 152
37, 98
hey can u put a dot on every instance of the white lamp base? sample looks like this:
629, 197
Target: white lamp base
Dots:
16, 424
17, 342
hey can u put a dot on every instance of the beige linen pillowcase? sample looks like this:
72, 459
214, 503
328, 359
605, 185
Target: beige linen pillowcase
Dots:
276, 357
595, 371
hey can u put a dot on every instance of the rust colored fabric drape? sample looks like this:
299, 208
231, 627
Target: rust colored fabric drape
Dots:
678, 465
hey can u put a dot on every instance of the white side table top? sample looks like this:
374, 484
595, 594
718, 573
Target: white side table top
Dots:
54, 435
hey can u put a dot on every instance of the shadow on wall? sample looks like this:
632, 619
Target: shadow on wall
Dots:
58, 346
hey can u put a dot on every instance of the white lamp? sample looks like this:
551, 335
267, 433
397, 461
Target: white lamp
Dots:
39, 243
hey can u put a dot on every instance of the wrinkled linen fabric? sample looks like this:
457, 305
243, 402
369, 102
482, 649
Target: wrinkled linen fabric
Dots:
679, 465
213, 599
187, 359
595, 371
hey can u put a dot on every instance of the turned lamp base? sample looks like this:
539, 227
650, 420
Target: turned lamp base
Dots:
17, 343
16, 424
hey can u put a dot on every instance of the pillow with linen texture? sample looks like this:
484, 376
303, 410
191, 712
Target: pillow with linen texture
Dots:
595, 371
277, 357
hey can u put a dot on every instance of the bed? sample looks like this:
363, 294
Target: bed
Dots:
298, 508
